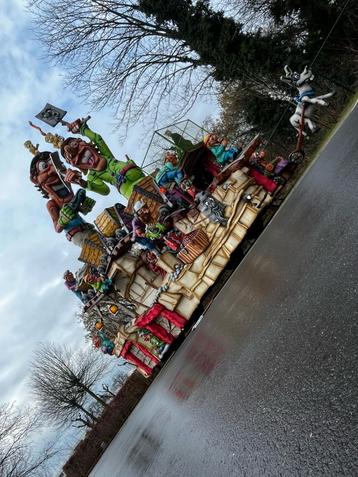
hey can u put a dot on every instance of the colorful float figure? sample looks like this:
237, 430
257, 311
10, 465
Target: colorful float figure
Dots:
64, 206
96, 161
172, 182
170, 172
195, 159
220, 149
101, 341
306, 99
187, 244
141, 220
97, 282
72, 285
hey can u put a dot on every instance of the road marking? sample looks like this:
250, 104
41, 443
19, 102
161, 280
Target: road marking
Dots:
354, 105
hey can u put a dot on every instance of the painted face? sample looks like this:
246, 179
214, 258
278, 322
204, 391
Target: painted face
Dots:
47, 178
170, 156
69, 277
90, 278
213, 139
82, 155
145, 215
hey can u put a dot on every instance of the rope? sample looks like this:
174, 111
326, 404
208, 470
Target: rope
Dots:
329, 33
278, 123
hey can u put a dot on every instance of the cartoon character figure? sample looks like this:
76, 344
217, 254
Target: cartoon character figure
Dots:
71, 284
97, 282
96, 161
220, 149
100, 340
171, 180
63, 205
142, 219
200, 167
306, 100
170, 171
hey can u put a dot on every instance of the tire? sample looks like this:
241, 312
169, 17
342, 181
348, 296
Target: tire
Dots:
296, 157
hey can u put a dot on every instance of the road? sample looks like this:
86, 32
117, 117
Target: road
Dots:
267, 383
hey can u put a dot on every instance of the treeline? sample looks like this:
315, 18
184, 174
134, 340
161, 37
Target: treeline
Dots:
325, 38
141, 55
19, 454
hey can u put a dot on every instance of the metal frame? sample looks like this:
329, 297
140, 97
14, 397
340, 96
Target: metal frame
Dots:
181, 127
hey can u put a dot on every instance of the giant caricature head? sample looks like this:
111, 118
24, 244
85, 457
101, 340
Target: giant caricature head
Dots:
82, 155
44, 175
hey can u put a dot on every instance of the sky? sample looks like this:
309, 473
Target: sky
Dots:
34, 304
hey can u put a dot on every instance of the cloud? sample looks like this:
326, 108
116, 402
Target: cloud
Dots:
34, 304
6, 300
49, 286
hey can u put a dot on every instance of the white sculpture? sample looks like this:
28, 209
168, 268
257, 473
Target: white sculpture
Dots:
306, 98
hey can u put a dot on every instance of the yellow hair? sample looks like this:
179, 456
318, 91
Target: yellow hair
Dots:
206, 138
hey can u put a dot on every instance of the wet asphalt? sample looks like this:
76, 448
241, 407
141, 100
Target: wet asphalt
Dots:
267, 383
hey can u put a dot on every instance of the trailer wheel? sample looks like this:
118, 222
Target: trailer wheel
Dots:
296, 157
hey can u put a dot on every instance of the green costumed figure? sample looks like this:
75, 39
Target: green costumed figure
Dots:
97, 163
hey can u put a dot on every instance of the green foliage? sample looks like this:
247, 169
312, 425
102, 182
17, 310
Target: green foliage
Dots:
264, 112
219, 41
245, 112
139, 54
312, 22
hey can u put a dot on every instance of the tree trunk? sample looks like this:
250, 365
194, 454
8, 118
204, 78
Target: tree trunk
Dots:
94, 395
88, 413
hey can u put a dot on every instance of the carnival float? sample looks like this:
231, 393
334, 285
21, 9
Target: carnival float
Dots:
148, 260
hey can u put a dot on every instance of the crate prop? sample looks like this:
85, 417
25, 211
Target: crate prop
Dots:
148, 192
107, 222
92, 252
194, 243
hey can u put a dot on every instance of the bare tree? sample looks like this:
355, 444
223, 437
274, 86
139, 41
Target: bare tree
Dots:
17, 457
115, 54
106, 388
252, 13
82, 421
62, 381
